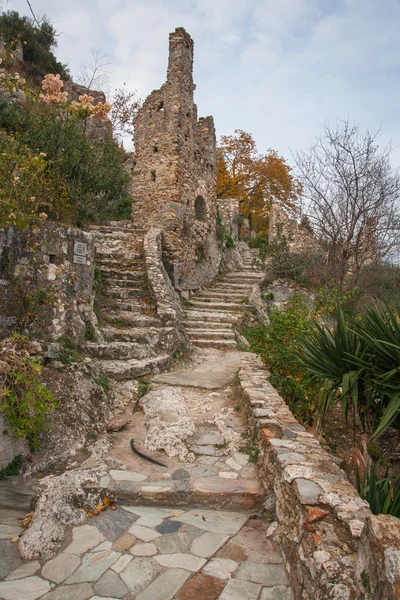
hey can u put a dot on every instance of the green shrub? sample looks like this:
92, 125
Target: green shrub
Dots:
13, 468
49, 168
37, 44
278, 344
25, 401
260, 241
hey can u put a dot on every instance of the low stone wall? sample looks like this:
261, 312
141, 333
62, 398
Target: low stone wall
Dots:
378, 561
48, 269
167, 300
320, 516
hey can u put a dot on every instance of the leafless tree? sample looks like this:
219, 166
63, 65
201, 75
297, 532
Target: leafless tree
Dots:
94, 73
351, 196
125, 106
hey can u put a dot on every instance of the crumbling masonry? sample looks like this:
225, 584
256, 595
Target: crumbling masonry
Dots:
174, 179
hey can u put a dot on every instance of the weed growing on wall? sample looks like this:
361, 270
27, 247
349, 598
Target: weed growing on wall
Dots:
25, 401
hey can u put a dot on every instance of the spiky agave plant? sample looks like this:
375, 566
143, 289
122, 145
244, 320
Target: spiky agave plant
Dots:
332, 357
379, 327
381, 492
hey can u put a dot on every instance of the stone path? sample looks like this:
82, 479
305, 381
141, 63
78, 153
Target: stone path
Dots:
215, 471
152, 553
194, 529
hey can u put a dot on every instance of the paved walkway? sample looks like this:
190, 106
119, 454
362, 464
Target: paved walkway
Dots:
191, 531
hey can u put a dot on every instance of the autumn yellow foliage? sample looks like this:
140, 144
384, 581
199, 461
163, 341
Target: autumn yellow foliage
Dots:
256, 180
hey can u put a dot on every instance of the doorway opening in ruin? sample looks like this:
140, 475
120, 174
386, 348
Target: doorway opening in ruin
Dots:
200, 208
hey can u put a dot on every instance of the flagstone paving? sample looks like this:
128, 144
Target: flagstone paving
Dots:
205, 555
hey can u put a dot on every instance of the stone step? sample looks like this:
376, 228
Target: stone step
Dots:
249, 275
136, 284
206, 334
138, 350
128, 319
15, 497
126, 369
114, 264
215, 317
242, 288
114, 304
124, 293
148, 335
210, 492
107, 233
117, 256
218, 343
206, 325
114, 275
122, 225
220, 293
217, 297
220, 306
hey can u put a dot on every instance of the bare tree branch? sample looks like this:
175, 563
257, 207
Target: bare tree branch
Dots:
351, 195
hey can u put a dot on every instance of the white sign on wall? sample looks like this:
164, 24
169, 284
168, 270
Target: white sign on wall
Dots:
80, 248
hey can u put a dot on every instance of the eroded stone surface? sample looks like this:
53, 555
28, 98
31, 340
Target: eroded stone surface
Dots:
78, 591
207, 544
84, 538
240, 590
139, 573
110, 584
25, 570
222, 568
93, 566
201, 586
29, 588
165, 586
61, 567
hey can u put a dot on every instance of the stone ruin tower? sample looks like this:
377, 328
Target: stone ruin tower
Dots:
174, 177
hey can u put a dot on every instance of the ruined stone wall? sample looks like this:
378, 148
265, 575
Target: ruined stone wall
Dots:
333, 546
283, 224
228, 209
48, 270
174, 179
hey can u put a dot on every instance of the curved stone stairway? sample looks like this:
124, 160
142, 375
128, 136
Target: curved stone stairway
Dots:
134, 343
211, 314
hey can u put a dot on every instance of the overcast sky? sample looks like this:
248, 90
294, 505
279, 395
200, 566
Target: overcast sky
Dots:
275, 68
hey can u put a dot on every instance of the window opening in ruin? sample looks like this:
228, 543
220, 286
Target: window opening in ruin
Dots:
160, 106
52, 259
153, 175
155, 148
200, 208
189, 114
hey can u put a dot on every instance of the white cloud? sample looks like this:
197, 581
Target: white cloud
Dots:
276, 69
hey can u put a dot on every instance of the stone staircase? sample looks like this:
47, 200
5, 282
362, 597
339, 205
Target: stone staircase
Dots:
134, 343
211, 314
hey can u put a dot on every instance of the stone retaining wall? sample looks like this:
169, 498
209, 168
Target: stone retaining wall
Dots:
320, 516
167, 300
55, 264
